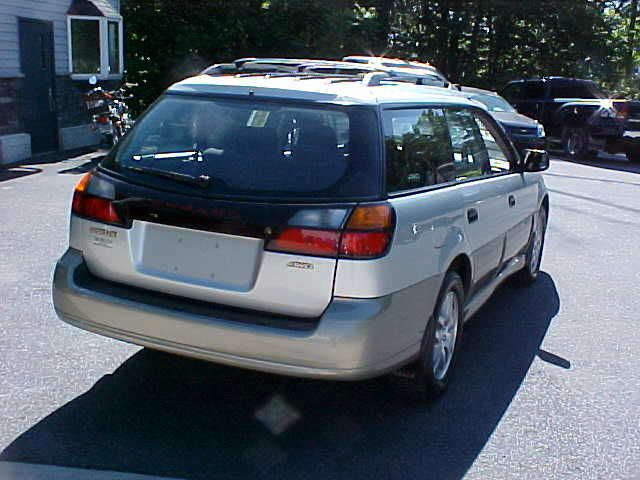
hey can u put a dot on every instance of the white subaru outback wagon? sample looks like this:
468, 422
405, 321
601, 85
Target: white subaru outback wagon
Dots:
314, 226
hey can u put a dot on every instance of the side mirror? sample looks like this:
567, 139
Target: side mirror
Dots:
93, 80
535, 161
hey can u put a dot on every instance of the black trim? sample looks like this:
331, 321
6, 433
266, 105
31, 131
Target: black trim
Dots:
85, 279
440, 186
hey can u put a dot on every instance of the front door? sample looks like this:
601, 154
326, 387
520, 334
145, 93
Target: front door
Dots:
38, 99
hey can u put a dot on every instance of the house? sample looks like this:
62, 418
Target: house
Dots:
48, 51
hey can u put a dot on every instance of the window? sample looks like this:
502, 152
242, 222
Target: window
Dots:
494, 103
470, 158
495, 145
513, 91
255, 149
418, 149
85, 46
534, 90
114, 47
574, 90
95, 46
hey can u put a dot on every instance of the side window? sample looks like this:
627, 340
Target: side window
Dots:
534, 90
470, 158
497, 149
571, 90
513, 92
418, 150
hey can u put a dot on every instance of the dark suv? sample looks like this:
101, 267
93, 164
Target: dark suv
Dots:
578, 114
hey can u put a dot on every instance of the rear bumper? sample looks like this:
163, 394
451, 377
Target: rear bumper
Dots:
354, 339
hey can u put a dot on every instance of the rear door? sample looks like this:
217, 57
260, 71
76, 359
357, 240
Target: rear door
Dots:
532, 101
235, 201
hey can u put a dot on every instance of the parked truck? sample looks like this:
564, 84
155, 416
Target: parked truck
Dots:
577, 114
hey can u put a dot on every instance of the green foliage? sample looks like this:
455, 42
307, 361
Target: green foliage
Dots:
480, 42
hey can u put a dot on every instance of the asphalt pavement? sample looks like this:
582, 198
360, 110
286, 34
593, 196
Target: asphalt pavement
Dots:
548, 383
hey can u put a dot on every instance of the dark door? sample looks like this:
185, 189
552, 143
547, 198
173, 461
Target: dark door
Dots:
38, 97
533, 97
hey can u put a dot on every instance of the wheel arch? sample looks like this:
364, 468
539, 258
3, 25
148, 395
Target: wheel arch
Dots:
463, 267
545, 203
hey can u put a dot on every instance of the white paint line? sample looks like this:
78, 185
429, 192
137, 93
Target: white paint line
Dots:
32, 471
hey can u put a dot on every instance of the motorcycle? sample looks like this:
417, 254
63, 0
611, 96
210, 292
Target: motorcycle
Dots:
109, 111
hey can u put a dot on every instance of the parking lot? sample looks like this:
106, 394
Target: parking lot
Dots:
548, 384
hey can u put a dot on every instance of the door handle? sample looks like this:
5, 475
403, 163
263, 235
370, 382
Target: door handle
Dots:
512, 201
52, 105
472, 215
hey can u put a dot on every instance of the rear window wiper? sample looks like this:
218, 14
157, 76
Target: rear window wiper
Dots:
201, 181
189, 155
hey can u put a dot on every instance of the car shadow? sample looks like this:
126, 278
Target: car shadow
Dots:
17, 172
166, 415
606, 161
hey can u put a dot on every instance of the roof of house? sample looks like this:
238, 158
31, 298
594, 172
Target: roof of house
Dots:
325, 89
93, 8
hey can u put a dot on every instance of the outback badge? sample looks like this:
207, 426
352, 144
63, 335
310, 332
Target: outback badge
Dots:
302, 265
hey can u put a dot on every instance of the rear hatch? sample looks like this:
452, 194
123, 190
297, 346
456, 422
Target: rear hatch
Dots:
240, 202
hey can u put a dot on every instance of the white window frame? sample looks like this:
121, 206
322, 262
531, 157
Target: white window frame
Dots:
104, 47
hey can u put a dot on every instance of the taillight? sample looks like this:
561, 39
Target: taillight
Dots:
306, 241
102, 119
367, 234
93, 207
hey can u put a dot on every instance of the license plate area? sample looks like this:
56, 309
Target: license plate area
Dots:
197, 257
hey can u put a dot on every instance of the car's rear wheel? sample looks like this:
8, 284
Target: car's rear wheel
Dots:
429, 375
533, 254
575, 141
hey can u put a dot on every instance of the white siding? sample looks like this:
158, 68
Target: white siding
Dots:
50, 10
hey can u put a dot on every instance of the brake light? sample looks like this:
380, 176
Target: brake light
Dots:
93, 207
306, 241
103, 120
367, 234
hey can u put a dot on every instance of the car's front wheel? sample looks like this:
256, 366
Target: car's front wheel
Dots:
575, 142
533, 253
429, 375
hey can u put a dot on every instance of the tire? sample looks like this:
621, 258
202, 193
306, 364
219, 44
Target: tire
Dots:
633, 156
575, 142
428, 376
533, 254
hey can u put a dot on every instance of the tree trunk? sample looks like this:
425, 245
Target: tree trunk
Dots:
631, 36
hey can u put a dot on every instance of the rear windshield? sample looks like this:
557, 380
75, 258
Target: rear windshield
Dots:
493, 102
253, 149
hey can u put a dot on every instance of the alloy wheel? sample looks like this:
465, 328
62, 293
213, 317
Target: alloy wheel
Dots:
446, 331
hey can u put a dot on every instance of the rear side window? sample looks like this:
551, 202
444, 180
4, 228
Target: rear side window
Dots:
418, 149
574, 90
253, 149
534, 90
512, 92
